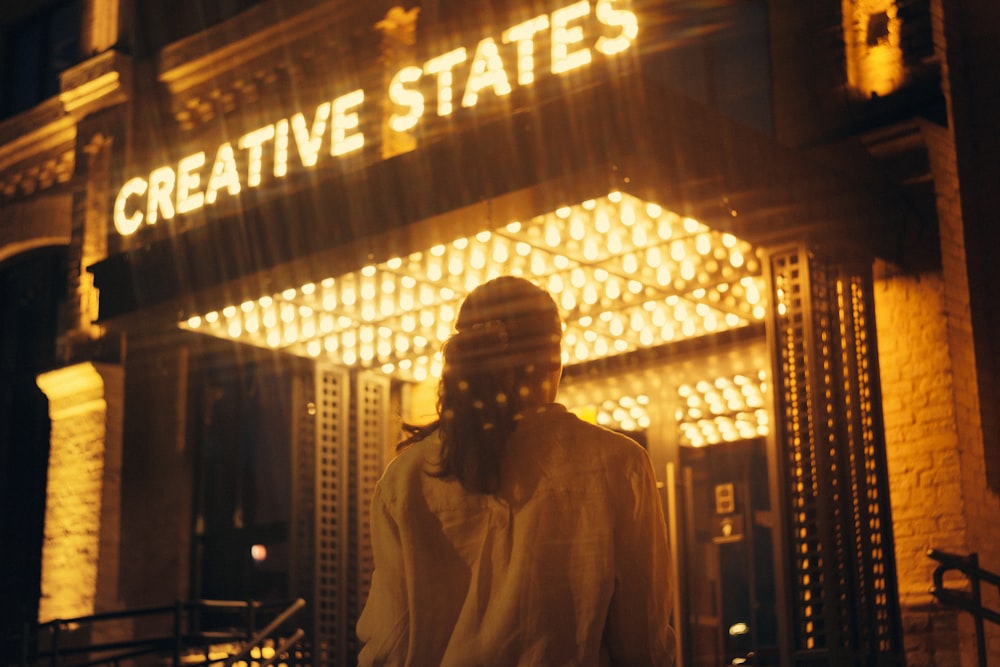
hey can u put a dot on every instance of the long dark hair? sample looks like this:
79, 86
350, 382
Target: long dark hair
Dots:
506, 343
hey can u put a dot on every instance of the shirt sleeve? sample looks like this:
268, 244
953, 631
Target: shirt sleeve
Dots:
638, 626
383, 628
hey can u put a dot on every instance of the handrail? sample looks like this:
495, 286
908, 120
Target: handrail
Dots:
971, 600
267, 630
183, 634
284, 647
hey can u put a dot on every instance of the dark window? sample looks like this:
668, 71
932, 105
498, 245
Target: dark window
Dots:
244, 497
31, 291
35, 50
162, 22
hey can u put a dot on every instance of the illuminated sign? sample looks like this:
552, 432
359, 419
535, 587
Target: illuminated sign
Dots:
199, 179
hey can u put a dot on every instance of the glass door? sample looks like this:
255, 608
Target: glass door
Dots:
725, 551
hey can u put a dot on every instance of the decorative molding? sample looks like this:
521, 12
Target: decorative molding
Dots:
37, 131
39, 150
75, 389
42, 173
229, 65
214, 53
95, 84
38, 147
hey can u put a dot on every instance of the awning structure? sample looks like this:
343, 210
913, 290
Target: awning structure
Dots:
641, 211
626, 159
627, 274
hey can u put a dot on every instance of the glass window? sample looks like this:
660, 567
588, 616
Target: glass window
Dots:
36, 49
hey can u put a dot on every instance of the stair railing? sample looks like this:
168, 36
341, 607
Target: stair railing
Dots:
968, 600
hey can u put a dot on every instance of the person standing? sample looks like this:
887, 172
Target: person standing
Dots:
509, 532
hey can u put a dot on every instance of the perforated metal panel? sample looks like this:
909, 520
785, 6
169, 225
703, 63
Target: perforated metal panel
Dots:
369, 437
831, 473
303, 541
331, 517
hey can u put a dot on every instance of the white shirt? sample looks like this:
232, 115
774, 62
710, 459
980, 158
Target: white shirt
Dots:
567, 564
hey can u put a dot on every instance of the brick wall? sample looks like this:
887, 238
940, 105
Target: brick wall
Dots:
922, 455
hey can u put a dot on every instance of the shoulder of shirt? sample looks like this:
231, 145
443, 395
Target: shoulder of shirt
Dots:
588, 439
402, 471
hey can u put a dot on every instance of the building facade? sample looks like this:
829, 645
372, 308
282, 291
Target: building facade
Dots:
234, 234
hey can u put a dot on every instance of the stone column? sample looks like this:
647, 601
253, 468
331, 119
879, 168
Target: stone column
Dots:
80, 553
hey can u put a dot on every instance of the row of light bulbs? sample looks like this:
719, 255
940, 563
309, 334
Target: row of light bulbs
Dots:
626, 273
723, 409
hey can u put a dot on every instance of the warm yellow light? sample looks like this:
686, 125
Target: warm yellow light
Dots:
627, 23
345, 121
253, 142
873, 41
647, 286
487, 71
566, 35
522, 35
442, 67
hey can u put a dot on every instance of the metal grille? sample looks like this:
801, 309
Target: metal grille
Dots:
332, 537
831, 458
370, 433
304, 499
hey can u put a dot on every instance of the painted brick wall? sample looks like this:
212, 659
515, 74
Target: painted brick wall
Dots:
922, 455
966, 170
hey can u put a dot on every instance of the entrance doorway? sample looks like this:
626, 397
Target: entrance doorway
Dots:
725, 554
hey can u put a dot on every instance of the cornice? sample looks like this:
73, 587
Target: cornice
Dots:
95, 84
28, 132
221, 50
36, 149
77, 389
38, 146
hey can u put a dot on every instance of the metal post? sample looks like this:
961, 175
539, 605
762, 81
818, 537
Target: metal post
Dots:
178, 629
55, 643
977, 600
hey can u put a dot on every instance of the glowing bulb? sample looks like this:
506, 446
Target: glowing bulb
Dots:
552, 238
615, 244
434, 271
602, 223
500, 253
687, 270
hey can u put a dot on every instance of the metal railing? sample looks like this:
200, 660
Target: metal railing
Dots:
181, 633
968, 600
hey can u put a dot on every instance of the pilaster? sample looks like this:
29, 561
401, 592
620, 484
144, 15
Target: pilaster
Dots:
80, 550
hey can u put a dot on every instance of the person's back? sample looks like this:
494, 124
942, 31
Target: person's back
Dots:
562, 560
563, 566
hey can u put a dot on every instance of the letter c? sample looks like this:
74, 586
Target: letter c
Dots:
124, 223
